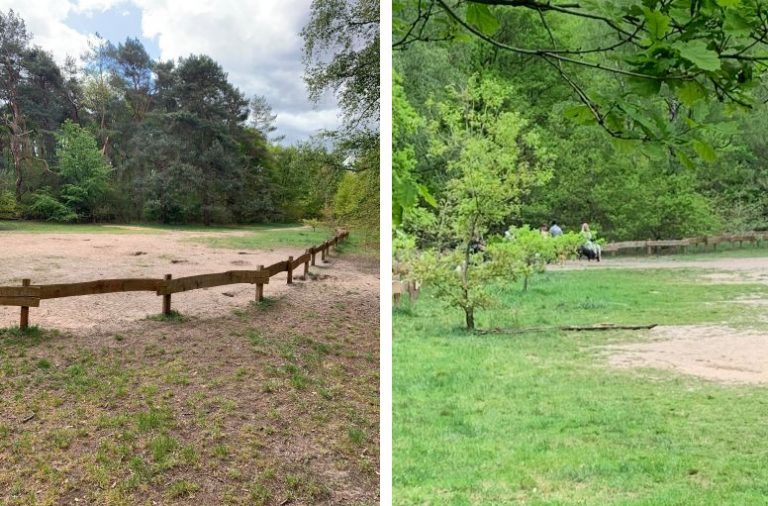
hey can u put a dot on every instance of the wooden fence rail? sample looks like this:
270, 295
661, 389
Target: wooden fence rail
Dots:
651, 246
28, 295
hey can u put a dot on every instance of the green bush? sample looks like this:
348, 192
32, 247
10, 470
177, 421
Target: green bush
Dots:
9, 209
44, 206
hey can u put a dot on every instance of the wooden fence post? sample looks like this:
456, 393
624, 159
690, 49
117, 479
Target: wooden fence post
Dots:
313, 255
648, 247
290, 270
259, 286
306, 267
167, 299
24, 322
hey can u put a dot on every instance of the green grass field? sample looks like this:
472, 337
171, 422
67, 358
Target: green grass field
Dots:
269, 238
44, 227
539, 418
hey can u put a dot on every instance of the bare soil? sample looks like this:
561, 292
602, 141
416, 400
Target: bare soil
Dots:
729, 270
239, 403
714, 352
717, 353
64, 258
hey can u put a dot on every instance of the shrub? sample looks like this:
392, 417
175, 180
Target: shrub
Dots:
44, 206
9, 209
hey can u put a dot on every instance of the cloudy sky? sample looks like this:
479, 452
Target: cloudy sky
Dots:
257, 43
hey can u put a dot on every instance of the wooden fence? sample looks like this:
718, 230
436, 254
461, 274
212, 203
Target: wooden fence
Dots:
651, 247
28, 295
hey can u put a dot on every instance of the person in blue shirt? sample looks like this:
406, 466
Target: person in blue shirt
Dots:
555, 230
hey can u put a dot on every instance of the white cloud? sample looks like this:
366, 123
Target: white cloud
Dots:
308, 121
90, 6
45, 21
257, 42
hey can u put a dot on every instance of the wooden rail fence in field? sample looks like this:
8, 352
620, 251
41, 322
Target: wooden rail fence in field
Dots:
651, 246
28, 295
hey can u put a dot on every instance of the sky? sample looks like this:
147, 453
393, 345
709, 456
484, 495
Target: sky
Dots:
257, 42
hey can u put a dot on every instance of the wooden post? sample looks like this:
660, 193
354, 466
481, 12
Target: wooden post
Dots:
306, 268
290, 270
259, 286
24, 322
313, 255
167, 299
648, 247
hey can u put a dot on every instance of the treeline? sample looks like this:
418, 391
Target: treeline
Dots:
121, 137
454, 92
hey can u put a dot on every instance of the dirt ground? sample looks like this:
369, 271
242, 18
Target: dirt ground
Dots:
717, 353
63, 258
240, 403
714, 352
731, 269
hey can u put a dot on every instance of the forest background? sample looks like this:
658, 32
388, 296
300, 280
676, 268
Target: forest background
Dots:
115, 136
646, 119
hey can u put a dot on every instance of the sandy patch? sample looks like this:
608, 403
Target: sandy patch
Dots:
63, 258
757, 266
717, 353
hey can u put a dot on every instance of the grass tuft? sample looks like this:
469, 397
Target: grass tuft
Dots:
174, 317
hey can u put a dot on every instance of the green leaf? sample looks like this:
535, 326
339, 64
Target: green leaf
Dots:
645, 87
685, 160
481, 17
696, 52
725, 127
658, 23
690, 93
427, 196
728, 3
704, 150
736, 23
580, 114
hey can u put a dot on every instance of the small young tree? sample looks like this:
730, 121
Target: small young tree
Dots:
83, 170
494, 158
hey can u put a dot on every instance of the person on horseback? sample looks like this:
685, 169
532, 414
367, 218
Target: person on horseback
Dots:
589, 249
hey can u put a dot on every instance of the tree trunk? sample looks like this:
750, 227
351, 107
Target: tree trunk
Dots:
16, 126
525, 284
470, 318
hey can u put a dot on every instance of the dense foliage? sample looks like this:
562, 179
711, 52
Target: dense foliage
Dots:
646, 117
118, 136
341, 51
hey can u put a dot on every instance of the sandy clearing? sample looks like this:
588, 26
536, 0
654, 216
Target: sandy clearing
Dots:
726, 270
61, 258
718, 353
714, 352
756, 265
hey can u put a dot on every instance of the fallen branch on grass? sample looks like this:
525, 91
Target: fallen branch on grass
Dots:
607, 326
569, 328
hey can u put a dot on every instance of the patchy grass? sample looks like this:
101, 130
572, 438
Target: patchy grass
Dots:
43, 227
268, 407
537, 418
260, 239
631, 296
174, 316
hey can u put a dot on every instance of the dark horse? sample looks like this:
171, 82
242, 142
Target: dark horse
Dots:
591, 251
